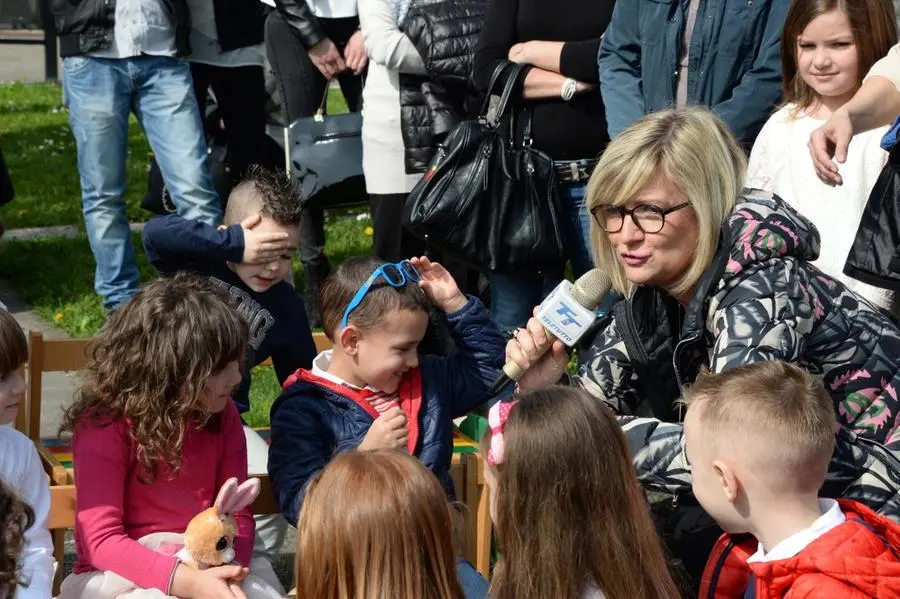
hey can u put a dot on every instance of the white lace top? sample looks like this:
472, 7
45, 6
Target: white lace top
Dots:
781, 163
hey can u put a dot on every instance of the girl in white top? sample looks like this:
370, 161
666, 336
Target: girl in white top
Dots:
827, 47
571, 518
23, 480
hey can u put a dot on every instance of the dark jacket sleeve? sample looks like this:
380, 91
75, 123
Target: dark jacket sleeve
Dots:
605, 371
300, 18
760, 90
578, 60
464, 379
498, 35
300, 349
301, 446
174, 243
619, 63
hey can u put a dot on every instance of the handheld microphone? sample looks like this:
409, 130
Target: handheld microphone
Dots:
566, 314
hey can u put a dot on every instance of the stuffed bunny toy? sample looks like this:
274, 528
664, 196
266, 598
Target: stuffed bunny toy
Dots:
209, 538
207, 542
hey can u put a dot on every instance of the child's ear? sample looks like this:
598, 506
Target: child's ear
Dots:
348, 339
731, 486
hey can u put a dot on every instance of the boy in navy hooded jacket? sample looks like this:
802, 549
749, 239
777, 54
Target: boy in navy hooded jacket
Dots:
373, 390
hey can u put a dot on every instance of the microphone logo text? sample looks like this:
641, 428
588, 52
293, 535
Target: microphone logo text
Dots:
568, 315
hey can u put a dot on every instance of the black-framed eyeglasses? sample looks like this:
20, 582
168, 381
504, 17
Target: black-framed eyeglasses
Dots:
649, 219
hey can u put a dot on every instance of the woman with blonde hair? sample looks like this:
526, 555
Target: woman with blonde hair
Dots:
377, 525
716, 276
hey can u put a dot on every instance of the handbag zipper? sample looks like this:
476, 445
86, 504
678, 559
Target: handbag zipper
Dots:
485, 152
341, 135
484, 173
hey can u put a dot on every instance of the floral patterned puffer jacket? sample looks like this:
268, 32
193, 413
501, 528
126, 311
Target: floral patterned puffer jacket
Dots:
761, 299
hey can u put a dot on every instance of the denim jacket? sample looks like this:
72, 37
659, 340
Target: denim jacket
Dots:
734, 66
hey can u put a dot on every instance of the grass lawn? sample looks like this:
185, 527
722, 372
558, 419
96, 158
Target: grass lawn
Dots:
56, 275
40, 152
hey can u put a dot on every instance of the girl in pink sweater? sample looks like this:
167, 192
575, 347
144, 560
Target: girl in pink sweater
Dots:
155, 437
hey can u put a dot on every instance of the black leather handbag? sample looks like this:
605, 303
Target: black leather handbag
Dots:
324, 157
488, 197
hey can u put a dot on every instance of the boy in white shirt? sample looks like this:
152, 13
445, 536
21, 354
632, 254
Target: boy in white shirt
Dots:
759, 439
21, 471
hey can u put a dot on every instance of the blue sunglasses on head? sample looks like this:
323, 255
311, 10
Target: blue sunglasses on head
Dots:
396, 274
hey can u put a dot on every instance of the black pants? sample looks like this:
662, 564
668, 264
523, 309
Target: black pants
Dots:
302, 87
390, 241
241, 98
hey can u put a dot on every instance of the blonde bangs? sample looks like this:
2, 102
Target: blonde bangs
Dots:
693, 150
620, 175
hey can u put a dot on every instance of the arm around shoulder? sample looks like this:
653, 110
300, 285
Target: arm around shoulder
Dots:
888, 67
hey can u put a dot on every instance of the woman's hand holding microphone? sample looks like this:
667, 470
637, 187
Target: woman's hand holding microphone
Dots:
528, 350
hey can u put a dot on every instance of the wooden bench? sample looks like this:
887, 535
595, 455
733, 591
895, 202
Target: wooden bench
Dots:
70, 355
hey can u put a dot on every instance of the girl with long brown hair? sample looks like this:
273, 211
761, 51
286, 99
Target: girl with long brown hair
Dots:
156, 435
571, 519
827, 47
376, 525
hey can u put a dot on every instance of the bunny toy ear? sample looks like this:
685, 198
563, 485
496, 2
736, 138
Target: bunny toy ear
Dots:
245, 494
226, 496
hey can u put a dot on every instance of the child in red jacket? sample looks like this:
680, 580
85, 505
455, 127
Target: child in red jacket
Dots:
759, 439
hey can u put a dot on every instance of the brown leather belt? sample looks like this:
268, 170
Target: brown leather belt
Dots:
574, 171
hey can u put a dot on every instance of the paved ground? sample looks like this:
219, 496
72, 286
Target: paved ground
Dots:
58, 387
22, 63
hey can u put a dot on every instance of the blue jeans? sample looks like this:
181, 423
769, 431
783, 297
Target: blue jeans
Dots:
514, 296
100, 93
473, 585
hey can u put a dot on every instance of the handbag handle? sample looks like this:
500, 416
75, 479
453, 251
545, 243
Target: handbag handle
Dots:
527, 140
508, 88
322, 111
323, 105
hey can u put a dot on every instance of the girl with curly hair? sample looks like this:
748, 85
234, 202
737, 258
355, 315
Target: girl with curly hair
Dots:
156, 435
16, 517
26, 550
